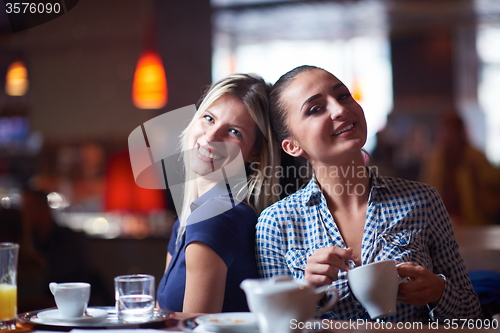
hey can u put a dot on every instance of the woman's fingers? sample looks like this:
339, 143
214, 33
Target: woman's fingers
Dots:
423, 288
320, 279
323, 266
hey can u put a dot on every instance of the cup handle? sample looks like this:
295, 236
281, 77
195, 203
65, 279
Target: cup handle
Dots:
402, 279
53, 287
331, 302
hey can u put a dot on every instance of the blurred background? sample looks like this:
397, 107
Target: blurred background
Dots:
427, 74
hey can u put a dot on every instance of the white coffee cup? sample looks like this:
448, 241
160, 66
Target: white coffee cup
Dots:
71, 298
280, 302
376, 286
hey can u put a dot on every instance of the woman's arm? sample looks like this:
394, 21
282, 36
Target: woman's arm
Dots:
205, 279
458, 299
270, 247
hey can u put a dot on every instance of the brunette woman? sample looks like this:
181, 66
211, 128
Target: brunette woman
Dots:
348, 214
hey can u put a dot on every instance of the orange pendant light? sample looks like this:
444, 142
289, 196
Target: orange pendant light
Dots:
150, 90
150, 83
357, 90
16, 80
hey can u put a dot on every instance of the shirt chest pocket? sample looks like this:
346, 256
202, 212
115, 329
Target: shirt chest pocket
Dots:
403, 247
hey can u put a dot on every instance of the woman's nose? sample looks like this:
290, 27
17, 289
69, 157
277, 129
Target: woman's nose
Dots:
337, 110
212, 134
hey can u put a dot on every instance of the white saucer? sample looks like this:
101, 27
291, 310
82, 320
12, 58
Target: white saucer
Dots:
93, 315
241, 322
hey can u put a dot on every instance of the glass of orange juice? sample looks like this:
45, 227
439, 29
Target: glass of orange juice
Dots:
8, 288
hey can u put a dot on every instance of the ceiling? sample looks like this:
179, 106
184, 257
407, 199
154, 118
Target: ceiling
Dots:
254, 21
295, 14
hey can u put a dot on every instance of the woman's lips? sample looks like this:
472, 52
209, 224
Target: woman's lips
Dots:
345, 129
208, 154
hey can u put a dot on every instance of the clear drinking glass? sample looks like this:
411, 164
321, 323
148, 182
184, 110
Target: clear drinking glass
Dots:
134, 295
8, 288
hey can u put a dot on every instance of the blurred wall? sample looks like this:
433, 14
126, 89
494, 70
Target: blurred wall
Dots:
435, 71
81, 65
81, 68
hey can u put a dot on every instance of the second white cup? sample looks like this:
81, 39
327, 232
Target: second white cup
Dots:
279, 302
71, 298
376, 286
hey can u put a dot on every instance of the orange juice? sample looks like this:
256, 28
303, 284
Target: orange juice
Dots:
8, 301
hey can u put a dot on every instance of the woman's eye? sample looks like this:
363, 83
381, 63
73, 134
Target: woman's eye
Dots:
314, 110
208, 118
235, 132
344, 96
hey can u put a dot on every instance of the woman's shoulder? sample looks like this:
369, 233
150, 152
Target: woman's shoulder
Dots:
401, 183
235, 226
400, 188
220, 210
288, 204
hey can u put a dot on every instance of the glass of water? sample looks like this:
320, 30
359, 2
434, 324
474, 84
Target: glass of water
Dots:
134, 295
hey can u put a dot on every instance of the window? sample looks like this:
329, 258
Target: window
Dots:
488, 46
349, 40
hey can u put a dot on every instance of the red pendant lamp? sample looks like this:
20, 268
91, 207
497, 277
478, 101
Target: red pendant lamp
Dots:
149, 89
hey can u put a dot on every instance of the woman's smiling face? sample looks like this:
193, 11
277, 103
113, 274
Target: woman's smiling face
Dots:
325, 122
224, 129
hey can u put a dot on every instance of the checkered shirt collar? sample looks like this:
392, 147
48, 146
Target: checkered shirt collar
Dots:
312, 192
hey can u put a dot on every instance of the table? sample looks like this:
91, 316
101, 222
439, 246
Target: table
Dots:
336, 326
480, 247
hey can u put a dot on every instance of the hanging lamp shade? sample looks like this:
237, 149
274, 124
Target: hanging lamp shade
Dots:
16, 80
357, 90
150, 83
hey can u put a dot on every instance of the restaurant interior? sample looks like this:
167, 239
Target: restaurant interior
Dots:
64, 125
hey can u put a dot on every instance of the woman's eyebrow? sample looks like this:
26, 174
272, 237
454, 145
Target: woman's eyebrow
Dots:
335, 87
338, 85
310, 99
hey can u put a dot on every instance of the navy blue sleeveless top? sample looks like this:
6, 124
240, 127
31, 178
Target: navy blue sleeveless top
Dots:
230, 232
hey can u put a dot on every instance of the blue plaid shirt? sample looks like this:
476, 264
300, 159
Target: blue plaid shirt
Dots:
405, 221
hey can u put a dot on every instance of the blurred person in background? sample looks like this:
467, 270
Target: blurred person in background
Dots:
468, 184
64, 250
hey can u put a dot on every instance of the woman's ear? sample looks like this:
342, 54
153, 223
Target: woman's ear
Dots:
291, 147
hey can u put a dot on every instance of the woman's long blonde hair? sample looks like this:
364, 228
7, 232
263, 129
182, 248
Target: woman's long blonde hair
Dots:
262, 178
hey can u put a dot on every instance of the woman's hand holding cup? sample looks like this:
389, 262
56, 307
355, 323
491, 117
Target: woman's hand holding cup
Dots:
424, 287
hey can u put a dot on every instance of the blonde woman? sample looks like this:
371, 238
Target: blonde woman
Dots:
212, 247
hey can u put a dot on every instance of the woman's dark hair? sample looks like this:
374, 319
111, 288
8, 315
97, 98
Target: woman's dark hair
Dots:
276, 106
277, 114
